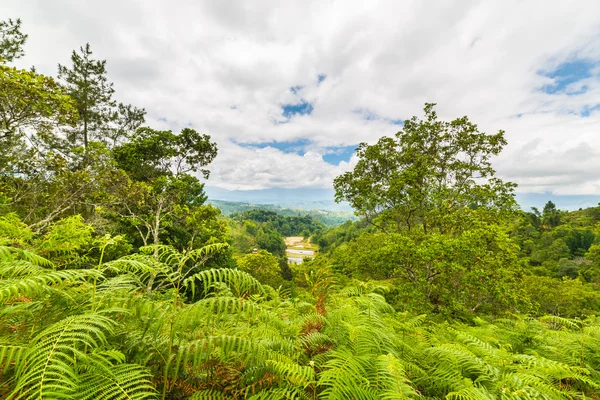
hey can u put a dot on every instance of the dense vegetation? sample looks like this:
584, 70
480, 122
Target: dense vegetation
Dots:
327, 217
301, 225
117, 281
264, 229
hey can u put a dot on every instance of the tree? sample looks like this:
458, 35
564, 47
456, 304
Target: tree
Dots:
161, 189
423, 175
32, 107
264, 266
475, 270
100, 116
151, 154
11, 40
54, 187
31, 103
550, 215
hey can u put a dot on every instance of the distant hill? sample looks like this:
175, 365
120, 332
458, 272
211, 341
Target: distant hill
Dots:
303, 199
322, 199
329, 218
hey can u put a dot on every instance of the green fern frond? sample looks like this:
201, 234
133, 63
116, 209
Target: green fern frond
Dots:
205, 251
412, 323
8, 254
241, 283
47, 368
119, 382
472, 393
392, 379
294, 374
209, 395
10, 355
19, 268
287, 393
35, 284
556, 322
136, 263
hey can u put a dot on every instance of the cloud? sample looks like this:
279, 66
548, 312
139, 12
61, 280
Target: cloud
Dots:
250, 168
333, 74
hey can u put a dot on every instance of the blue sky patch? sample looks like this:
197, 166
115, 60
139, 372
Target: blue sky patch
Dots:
321, 78
567, 73
333, 156
296, 89
369, 115
302, 108
339, 154
587, 110
295, 146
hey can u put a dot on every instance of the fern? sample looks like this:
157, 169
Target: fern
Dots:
119, 382
47, 369
39, 283
240, 282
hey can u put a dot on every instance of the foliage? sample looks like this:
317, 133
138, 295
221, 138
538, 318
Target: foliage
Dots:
248, 235
285, 225
11, 40
332, 238
427, 172
152, 154
100, 117
263, 266
67, 240
31, 101
478, 268
327, 217
99, 336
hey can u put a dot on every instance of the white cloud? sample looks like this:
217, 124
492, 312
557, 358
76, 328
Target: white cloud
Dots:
191, 61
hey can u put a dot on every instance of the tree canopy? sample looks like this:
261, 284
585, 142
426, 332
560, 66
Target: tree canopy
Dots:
427, 172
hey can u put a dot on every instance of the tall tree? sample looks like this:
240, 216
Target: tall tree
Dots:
30, 101
11, 40
101, 118
162, 189
422, 176
550, 215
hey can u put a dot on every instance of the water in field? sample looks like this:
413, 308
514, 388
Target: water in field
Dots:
298, 248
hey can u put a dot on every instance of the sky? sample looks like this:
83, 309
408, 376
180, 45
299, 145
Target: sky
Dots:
288, 89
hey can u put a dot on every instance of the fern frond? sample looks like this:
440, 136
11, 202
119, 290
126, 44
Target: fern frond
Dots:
8, 254
293, 373
18, 268
47, 368
35, 284
205, 251
119, 382
556, 322
209, 395
392, 378
241, 283
10, 354
287, 393
471, 393
136, 263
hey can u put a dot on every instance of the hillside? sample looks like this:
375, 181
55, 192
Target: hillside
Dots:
329, 218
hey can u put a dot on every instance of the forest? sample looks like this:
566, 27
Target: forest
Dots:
118, 280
